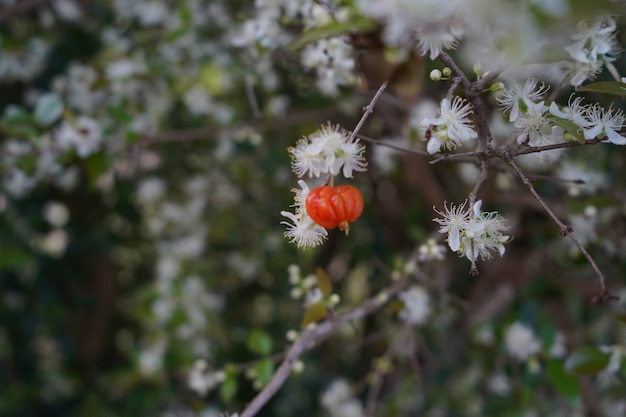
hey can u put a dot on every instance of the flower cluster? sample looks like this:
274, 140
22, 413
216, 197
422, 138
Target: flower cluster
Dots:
425, 26
536, 120
521, 342
328, 150
471, 232
416, 305
302, 230
452, 127
595, 45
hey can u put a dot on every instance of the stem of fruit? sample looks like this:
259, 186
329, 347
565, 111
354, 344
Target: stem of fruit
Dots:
344, 227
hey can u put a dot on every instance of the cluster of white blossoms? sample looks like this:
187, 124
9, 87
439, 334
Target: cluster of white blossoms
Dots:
472, 233
339, 401
521, 342
416, 305
327, 151
595, 45
535, 119
427, 26
301, 229
452, 127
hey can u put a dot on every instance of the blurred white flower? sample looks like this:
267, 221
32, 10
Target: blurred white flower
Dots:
416, 305
521, 342
56, 213
53, 243
340, 402
201, 379
84, 136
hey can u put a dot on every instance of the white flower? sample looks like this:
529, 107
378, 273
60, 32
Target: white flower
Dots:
201, 380
340, 402
452, 128
473, 233
536, 129
54, 243
85, 136
427, 26
520, 98
521, 342
431, 251
302, 230
416, 305
327, 151
490, 237
594, 40
455, 222
595, 44
605, 123
574, 112
433, 37
56, 213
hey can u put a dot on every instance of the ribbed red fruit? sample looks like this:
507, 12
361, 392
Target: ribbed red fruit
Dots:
332, 207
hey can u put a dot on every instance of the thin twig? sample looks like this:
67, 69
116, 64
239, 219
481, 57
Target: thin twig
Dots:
565, 229
511, 152
386, 144
254, 103
314, 336
367, 111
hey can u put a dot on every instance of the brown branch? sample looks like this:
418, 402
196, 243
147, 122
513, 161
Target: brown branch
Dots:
368, 110
386, 144
314, 336
565, 229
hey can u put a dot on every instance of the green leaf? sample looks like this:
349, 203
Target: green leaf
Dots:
586, 360
13, 258
259, 342
332, 29
16, 114
564, 383
313, 313
323, 282
606, 87
16, 121
264, 370
48, 109
119, 114
569, 127
96, 165
229, 387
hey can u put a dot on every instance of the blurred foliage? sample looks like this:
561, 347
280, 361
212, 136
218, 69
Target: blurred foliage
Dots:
173, 250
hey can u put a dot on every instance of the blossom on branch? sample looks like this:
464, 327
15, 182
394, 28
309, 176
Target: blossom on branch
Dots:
327, 151
302, 230
452, 127
605, 123
595, 44
471, 232
518, 99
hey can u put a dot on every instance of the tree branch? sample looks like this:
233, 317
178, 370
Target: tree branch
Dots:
317, 334
565, 229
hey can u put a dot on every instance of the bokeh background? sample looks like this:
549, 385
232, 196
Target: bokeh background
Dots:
143, 267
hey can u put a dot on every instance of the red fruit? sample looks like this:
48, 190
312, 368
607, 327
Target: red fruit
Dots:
334, 206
